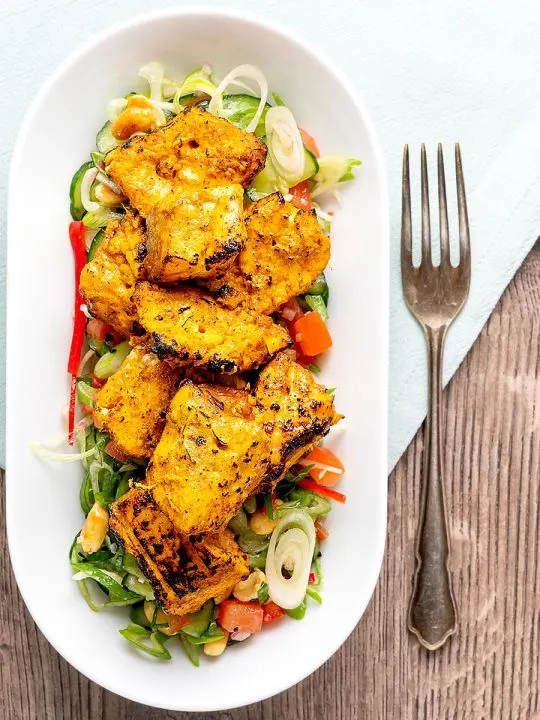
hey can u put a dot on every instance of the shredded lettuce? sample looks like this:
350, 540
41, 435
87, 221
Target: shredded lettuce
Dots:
333, 169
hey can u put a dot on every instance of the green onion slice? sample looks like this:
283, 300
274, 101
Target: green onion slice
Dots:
151, 642
290, 551
109, 363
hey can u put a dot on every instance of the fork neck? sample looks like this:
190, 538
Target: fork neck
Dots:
435, 341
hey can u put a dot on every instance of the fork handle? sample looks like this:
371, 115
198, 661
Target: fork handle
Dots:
432, 610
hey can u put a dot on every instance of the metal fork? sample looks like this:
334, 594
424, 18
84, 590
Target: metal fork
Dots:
435, 295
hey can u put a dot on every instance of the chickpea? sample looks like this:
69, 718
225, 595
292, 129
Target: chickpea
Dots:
106, 196
260, 523
216, 648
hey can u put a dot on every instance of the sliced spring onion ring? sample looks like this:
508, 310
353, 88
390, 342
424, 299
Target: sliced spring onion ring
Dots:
45, 453
285, 145
86, 183
246, 71
197, 82
109, 182
291, 548
87, 356
154, 72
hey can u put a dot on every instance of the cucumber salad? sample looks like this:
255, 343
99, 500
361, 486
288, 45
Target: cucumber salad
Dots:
281, 531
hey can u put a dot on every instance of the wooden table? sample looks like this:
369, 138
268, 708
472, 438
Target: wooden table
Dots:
491, 669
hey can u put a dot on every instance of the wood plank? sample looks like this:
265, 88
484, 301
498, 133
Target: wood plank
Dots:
491, 669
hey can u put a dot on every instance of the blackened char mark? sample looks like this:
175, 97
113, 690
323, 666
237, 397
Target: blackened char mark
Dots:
231, 248
221, 365
166, 350
142, 252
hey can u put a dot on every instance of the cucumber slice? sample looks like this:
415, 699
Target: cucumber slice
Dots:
311, 166
86, 394
316, 303
266, 182
105, 140
96, 242
240, 109
100, 347
200, 621
138, 616
333, 169
75, 205
319, 286
140, 588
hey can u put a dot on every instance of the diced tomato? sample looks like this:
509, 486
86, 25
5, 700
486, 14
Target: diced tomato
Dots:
311, 333
272, 612
320, 531
309, 142
312, 578
327, 468
97, 382
115, 451
322, 490
86, 410
242, 616
301, 195
100, 331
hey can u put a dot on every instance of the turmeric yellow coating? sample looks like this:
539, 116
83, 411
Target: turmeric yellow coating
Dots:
195, 148
133, 403
284, 252
184, 572
107, 282
187, 327
195, 233
210, 458
220, 445
297, 411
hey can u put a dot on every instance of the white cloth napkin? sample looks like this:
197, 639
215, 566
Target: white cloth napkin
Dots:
428, 71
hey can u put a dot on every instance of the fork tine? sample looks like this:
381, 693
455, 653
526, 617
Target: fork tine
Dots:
464, 238
406, 222
443, 210
426, 222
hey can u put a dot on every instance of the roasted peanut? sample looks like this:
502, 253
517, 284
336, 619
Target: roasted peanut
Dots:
247, 589
139, 115
94, 529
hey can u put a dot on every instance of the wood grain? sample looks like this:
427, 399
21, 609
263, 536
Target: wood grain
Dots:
490, 670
